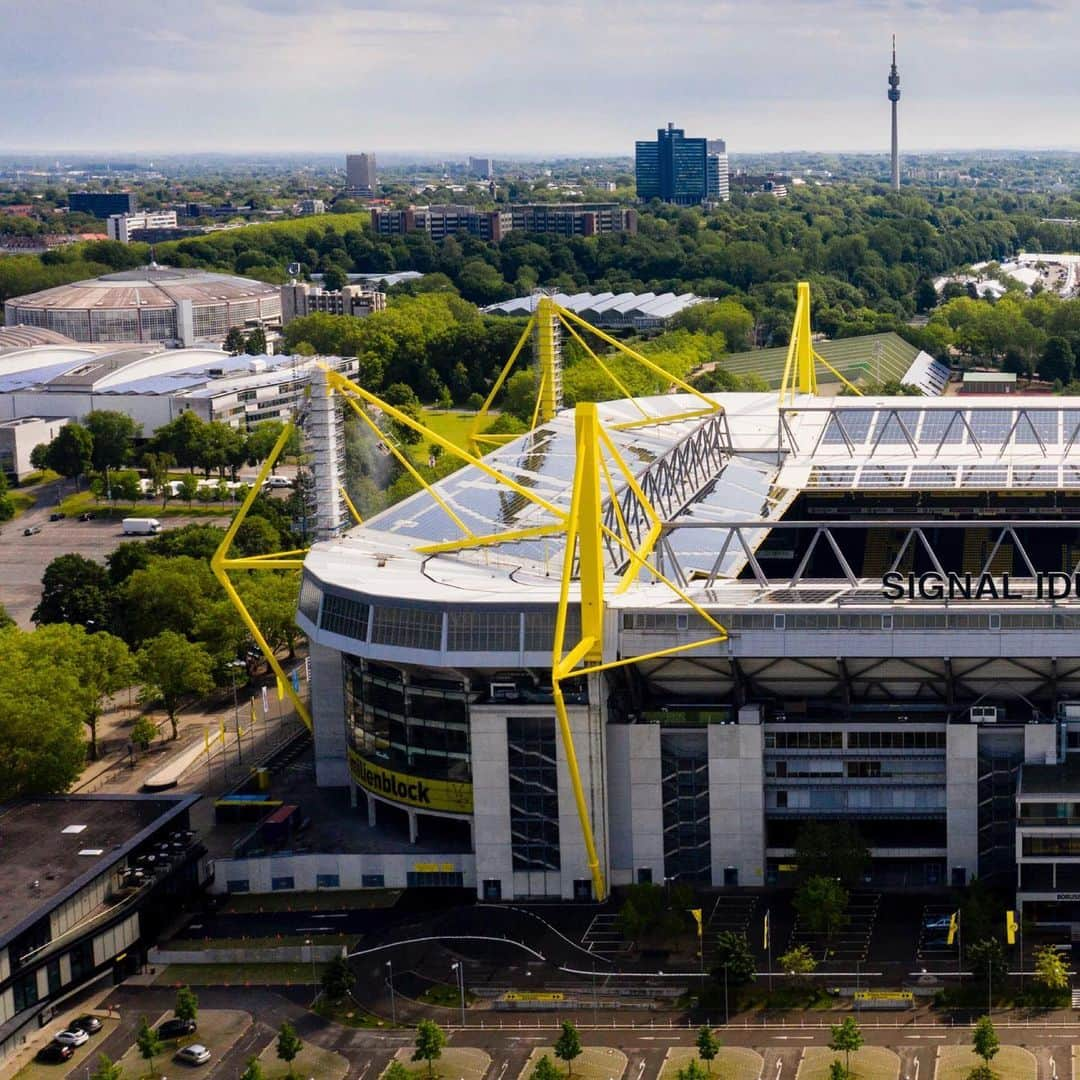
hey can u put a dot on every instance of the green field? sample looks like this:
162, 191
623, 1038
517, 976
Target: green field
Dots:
331, 900
452, 425
1010, 1063
855, 358
869, 1063
732, 1063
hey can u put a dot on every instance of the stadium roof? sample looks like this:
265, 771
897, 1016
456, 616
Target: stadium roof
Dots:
606, 308
22, 337
870, 358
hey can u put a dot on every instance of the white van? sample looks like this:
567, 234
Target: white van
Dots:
141, 526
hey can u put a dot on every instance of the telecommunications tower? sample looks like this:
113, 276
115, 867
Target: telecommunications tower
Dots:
894, 97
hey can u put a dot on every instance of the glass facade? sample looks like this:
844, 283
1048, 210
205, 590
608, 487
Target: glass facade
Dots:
408, 722
674, 168
684, 761
534, 792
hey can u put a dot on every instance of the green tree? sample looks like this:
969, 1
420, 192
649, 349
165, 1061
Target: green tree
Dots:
124, 486
396, 1071
692, 1070
430, 1040
173, 668
987, 959
733, 953
187, 1004
984, 1040
846, 1038
188, 488
821, 902
568, 1045
337, 979
1050, 970
708, 1046
831, 850
113, 435
157, 467
837, 1070
71, 452
255, 342
143, 733
170, 593
798, 961
75, 590
1057, 361
289, 1045
107, 1069
234, 341
106, 666
545, 1070
146, 1039
263, 436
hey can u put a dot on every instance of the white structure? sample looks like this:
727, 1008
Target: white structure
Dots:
121, 226
846, 689
608, 310
18, 439
155, 303
153, 384
717, 176
298, 299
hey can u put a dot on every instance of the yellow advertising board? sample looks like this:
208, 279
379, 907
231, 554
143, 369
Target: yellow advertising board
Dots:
416, 791
532, 995
434, 867
884, 995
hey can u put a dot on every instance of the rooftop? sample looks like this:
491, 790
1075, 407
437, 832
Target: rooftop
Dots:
51, 847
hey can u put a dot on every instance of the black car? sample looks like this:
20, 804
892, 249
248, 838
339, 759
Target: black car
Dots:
175, 1028
90, 1024
55, 1053
58, 516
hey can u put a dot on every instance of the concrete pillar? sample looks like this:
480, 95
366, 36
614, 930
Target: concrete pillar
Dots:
737, 798
328, 716
370, 810
962, 799
413, 830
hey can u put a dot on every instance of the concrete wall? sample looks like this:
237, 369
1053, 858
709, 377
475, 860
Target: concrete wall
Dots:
962, 798
491, 795
328, 711
285, 954
737, 799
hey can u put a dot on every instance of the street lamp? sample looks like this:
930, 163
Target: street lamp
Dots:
314, 981
393, 1003
457, 966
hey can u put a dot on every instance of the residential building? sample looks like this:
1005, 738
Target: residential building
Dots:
360, 178
718, 184
673, 169
128, 227
101, 204
89, 882
308, 207
560, 219
299, 299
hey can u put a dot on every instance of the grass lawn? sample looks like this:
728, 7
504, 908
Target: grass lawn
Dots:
451, 425
456, 1063
39, 476
595, 1063
21, 501
237, 975
869, 1063
732, 1063
442, 994
1010, 1063
85, 1055
218, 1030
331, 900
349, 1014
81, 501
311, 1061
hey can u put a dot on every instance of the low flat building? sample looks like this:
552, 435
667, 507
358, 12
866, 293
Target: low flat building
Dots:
552, 219
988, 382
89, 881
18, 439
127, 227
299, 299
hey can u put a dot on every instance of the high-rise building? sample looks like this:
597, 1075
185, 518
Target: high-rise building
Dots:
894, 97
483, 168
101, 204
360, 178
718, 187
673, 168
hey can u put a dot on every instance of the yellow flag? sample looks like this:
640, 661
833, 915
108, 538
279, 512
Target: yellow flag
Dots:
696, 912
221, 731
280, 689
765, 934
206, 739
253, 715
954, 926
1011, 926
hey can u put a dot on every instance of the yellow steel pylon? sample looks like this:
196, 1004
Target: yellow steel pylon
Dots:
800, 375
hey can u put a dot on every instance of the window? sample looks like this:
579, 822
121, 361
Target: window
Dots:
896, 740
437, 879
407, 628
484, 631
25, 991
238, 886
283, 884
862, 770
534, 795
339, 614
327, 881
805, 740
310, 597
372, 881
781, 800
82, 960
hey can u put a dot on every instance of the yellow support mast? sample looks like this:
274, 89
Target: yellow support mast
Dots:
800, 373
548, 361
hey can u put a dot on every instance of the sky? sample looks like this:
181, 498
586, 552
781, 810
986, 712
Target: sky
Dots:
528, 78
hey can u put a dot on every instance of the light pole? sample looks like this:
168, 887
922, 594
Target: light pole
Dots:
456, 966
314, 981
234, 664
393, 1003
725, 997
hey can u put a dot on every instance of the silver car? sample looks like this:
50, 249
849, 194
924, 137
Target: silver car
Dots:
195, 1054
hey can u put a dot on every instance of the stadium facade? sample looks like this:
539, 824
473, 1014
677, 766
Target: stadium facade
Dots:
897, 581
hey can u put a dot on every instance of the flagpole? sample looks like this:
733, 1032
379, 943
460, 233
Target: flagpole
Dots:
768, 948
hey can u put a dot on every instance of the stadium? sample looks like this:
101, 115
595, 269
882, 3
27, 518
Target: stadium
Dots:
151, 304
651, 638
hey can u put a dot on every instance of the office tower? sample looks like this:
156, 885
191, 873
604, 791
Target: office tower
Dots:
101, 204
894, 97
481, 167
672, 168
717, 177
360, 178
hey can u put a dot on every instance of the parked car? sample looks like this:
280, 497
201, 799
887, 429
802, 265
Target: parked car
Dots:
71, 1037
278, 482
55, 1053
175, 1028
90, 1024
31, 530
87, 515
195, 1054
57, 516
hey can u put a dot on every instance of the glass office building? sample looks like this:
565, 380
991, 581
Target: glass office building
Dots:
673, 168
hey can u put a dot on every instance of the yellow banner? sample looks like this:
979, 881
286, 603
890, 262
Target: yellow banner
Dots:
532, 995
884, 995
418, 791
434, 867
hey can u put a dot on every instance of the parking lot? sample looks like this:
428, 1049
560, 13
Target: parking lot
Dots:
845, 949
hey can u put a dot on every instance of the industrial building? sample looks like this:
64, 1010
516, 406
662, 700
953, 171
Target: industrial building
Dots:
608, 310
554, 219
89, 881
151, 304
152, 384
791, 608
